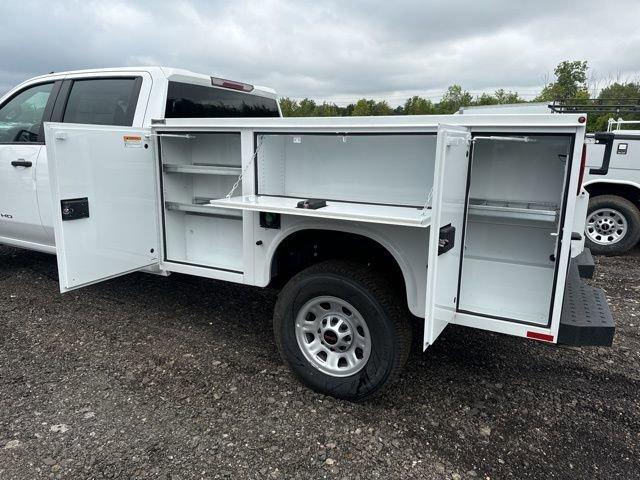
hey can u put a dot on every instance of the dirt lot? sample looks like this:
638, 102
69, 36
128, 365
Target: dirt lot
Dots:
179, 378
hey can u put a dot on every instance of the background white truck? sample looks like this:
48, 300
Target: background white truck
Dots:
470, 220
612, 179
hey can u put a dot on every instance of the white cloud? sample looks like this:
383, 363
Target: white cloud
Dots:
331, 49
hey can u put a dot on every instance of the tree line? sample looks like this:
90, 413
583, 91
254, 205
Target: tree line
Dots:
569, 87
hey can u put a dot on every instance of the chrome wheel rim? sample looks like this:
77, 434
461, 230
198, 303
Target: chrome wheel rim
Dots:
606, 226
333, 336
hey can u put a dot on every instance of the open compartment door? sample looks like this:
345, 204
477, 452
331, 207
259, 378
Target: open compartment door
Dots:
103, 185
447, 224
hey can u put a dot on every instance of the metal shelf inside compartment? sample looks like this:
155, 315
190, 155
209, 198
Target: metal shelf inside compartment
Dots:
203, 207
541, 211
201, 169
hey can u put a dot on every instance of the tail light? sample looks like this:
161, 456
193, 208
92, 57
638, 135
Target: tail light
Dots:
583, 164
221, 82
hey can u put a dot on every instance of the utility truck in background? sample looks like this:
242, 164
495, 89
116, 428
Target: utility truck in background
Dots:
362, 222
612, 178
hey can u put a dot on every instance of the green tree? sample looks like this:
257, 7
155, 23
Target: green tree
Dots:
486, 99
616, 93
363, 107
621, 91
500, 96
327, 110
288, 107
418, 106
570, 83
508, 97
307, 108
367, 107
382, 108
453, 99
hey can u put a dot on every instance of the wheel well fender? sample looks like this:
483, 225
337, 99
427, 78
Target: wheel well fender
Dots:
334, 239
621, 188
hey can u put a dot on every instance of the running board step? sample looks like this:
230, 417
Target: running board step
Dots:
586, 318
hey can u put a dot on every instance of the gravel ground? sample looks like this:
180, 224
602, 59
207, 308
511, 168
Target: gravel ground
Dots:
150, 377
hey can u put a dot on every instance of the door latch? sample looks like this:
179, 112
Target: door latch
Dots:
75, 208
446, 239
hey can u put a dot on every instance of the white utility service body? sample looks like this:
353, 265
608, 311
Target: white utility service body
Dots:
469, 220
157, 197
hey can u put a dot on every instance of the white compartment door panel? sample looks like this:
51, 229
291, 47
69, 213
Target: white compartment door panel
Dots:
103, 184
447, 208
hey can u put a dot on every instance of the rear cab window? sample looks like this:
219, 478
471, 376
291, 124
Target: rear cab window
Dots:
103, 101
185, 100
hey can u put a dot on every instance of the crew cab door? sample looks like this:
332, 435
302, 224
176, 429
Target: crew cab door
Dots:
21, 156
103, 185
447, 224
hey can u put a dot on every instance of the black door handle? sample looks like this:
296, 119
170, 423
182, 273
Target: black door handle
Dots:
21, 163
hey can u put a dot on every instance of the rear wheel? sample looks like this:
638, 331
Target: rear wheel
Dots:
340, 328
613, 225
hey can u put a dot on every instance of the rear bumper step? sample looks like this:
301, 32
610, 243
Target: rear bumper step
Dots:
586, 318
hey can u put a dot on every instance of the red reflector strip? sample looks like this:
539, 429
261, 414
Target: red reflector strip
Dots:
545, 337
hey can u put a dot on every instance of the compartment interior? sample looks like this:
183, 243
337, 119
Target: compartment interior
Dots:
385, 169
197, 168
513, 215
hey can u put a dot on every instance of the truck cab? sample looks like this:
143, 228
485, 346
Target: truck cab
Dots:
125, 97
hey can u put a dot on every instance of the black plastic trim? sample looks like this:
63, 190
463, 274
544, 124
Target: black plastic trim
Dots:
586, 265
208, 267
61, 101
605, 138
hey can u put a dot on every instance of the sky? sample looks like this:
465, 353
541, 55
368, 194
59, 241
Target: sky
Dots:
335, 50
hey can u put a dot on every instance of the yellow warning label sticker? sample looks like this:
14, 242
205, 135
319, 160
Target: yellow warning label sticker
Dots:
132, 141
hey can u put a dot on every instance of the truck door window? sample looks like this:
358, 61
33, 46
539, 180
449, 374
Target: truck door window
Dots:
103, 101
185, 100
21, 116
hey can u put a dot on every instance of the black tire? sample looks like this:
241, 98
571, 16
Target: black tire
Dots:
372, 296
630, 213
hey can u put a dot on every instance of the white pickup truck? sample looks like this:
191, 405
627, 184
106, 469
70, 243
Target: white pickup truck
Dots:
127, 97
467, 220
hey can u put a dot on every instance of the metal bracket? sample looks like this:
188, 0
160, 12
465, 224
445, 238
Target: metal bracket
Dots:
498, 138
172, 135
452, 142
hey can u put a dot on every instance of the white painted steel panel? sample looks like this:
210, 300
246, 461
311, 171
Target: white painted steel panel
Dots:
385, 214
392, 169
449, 195
119, 179
507, 290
